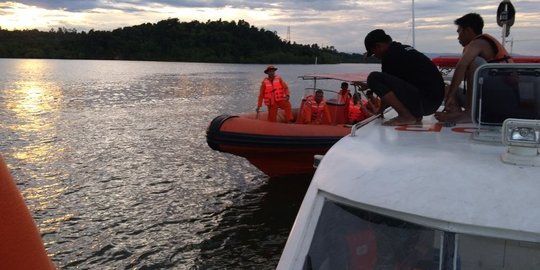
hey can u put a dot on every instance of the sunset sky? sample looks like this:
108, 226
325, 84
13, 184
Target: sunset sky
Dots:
342, 24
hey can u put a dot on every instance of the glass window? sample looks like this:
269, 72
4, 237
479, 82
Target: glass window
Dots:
476, 252
349, 238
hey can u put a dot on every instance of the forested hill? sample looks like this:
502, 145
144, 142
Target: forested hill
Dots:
169, 40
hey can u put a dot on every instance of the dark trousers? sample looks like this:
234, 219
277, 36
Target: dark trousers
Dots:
411, 97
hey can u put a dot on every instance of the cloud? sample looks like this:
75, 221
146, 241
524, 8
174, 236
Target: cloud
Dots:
64, 4
338, 23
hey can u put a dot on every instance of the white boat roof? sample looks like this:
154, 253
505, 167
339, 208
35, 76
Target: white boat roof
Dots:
462, 186
347, 77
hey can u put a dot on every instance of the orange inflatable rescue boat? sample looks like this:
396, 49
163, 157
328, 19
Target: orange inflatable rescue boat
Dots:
279, 148
20, 242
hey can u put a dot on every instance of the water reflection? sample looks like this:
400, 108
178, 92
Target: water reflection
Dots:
31, 100
112, 160
32, 105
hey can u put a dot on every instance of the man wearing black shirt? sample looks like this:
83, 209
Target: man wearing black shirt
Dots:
409, 82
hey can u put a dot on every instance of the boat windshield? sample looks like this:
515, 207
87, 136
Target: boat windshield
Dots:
351, 238
330, 88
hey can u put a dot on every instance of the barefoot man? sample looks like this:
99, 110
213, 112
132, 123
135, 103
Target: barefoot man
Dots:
409, 82
478, 49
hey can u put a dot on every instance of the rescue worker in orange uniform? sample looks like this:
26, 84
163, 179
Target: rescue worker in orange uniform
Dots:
275, 93
344, 94
478, 49
315, 110
374, 103
358, 110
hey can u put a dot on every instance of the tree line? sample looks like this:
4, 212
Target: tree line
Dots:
170, 40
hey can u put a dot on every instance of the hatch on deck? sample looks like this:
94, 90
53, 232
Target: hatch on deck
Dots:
503, 91
506, 106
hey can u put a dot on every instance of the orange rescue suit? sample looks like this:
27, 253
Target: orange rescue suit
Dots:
315, 113
275, 94
376, 102
344, 96
356, 113
274, 91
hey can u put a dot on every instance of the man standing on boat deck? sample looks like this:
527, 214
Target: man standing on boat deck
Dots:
275, 93
478, 49
409, 82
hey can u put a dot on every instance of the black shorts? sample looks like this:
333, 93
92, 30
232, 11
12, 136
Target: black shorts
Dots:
419, 105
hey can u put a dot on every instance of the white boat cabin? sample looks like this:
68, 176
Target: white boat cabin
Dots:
433, 195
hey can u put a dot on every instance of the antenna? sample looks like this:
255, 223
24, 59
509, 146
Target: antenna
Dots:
413, 26
289, 34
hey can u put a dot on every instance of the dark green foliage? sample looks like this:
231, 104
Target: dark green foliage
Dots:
169, 40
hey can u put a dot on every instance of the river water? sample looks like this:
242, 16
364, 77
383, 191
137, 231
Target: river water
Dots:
111, 158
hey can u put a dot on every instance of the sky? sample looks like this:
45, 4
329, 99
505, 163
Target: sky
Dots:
339, 23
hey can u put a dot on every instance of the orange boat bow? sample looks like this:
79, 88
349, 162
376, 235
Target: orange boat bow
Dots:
20, 242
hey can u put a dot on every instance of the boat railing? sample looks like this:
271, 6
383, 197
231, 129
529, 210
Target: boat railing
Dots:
364, 122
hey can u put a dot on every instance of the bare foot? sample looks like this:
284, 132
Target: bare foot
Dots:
446, 116
401, 120
454, 117
465, 117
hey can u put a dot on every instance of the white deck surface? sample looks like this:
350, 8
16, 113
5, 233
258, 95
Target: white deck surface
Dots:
442, 176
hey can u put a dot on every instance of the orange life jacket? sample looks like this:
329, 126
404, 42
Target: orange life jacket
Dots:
343, 96
355, 111
274, 91
317, 110
501, 55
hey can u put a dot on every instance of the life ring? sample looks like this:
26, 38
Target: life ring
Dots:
20, 242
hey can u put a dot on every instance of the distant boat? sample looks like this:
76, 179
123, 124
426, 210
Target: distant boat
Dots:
277, 148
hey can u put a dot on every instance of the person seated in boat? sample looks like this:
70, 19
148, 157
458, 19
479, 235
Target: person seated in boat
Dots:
315, 110
358, 110
344, 94
478, 49
275, 93
409, 82
374, 102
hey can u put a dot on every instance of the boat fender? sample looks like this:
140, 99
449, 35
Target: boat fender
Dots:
20, 242
212, 133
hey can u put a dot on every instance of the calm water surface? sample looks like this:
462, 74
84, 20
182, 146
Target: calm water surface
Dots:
112, 161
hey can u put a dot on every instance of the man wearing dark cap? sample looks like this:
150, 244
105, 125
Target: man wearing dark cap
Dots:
275, 93
409, 82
